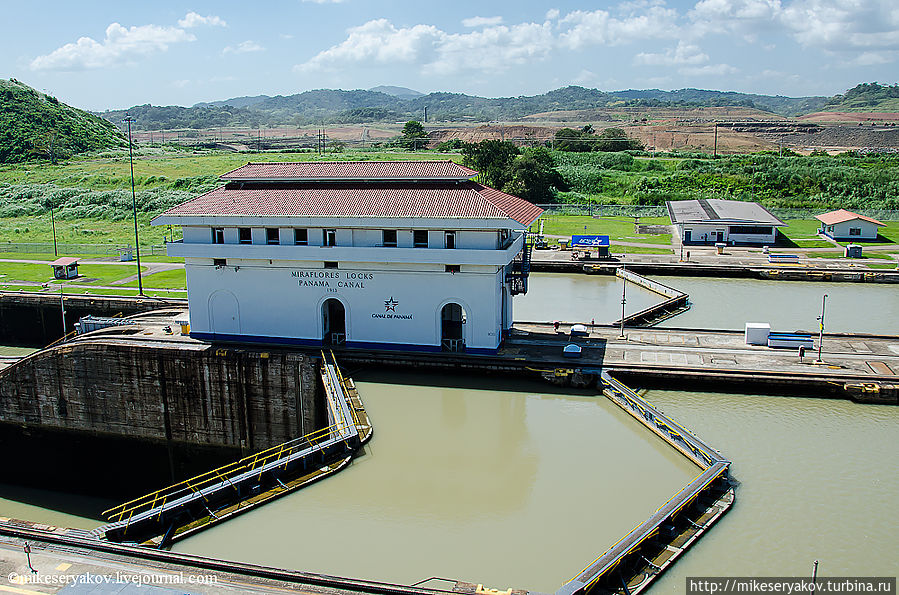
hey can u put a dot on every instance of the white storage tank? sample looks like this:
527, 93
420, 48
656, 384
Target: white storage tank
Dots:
756, 333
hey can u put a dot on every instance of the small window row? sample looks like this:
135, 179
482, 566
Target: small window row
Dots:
272, 236
329, 237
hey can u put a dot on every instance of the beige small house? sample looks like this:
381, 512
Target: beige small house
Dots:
846, 225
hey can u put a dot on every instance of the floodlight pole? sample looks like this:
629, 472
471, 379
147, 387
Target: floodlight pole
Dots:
623, 298
140, 286
53, 223
821, 330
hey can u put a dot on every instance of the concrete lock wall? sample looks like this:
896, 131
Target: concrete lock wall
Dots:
35, 319
246, 399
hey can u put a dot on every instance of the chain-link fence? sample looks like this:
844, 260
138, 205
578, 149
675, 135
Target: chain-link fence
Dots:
601, 210
117, 250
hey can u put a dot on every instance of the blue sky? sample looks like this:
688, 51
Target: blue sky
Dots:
107, 55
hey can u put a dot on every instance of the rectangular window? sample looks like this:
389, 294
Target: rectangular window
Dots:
420, 238
244, 235
750, 229
301, 237
218, 235
450, 239
389, 238
329, 237
330, 265
272, 235
453, 268
219, 262
855, 231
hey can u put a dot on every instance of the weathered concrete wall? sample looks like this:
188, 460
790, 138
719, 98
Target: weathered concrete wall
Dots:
35, 319
168, 393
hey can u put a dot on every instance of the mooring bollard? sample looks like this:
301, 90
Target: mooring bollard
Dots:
27, 549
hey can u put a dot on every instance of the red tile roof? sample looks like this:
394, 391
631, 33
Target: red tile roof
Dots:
834, 217
467, 200
352, 170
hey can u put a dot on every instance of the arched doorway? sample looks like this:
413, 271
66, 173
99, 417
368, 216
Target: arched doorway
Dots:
333, 323
224, 313
452, 333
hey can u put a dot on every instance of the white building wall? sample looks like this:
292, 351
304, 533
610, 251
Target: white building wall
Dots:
841, 230
285, 303
744, 238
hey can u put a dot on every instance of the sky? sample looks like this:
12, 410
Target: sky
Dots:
102, 55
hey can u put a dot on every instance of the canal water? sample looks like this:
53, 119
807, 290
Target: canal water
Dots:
717, 303
488, 481
579, 298
788, 305
817, 480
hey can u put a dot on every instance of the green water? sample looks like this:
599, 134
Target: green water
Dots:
478, 480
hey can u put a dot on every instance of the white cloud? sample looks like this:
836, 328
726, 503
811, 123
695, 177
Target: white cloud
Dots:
552, 14
841, 25
180, 84
863, 30
244, 47
120, 46
435, 51
708, 70
599, 27
482, 21
684, 53
193, 19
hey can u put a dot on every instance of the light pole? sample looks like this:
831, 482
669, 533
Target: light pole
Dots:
140, 286
623, 298
53, 223
821, 330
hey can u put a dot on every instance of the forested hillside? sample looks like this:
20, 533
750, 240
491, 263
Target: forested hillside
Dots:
334, 106
35, 125
866, 97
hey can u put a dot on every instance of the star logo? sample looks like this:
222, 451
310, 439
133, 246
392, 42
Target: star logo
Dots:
390, 304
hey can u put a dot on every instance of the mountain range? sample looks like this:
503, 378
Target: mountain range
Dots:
393, 104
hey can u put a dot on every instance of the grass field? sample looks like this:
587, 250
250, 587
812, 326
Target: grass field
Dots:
82, 231
171, 279
153, 171
96, 274
619, 229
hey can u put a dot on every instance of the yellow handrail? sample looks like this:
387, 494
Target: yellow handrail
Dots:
226, 472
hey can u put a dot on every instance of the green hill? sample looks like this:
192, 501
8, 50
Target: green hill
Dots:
35, 125
866, 97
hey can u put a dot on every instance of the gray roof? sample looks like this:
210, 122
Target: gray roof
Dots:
716, 210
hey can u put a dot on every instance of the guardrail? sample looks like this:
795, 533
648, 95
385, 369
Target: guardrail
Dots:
714, 468
164, 509
676, 300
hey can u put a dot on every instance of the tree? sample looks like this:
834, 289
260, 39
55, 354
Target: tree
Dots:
492, 158
569, 139
533, 177
615, 139
413, 133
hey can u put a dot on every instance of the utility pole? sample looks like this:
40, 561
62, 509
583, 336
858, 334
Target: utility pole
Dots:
140, 286
53, 223
623, 298
716, 140
821, 330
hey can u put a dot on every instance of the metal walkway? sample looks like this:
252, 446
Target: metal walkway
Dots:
200, 501
625, 568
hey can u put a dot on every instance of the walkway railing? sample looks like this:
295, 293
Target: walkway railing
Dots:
714, 468
166, 509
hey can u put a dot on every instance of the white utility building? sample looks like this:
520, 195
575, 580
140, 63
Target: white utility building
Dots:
846, 225
714, 220
392, 255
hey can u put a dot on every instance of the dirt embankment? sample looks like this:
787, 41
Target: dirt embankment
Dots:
851, 117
